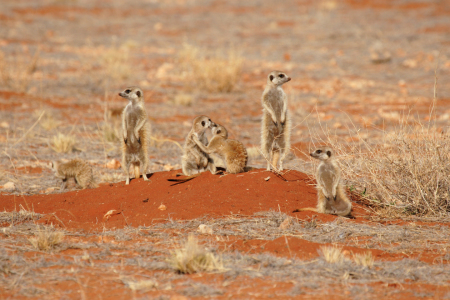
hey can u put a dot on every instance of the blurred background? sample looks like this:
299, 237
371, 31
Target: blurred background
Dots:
358, 68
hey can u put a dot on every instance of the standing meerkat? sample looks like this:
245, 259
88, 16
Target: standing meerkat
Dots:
194, 160
232, 151
331, 197
275, 125
136, 134
78, 169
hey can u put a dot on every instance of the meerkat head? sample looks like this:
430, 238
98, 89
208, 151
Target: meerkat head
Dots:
54, 165
201, 123
277, 78
132, 93
219, 130
323, 153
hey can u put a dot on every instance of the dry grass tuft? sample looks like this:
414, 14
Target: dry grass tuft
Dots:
364, 259
16, 71
141, 285
62, 143
332, 255
194, 258
46, 239
212, 73
112, 177
110, 132
48, 122
183, 99
116, 62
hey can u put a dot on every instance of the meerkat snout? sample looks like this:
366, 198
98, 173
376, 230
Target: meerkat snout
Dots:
322, 154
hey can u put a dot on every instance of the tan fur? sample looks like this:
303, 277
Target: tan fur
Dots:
275, 125
78, 169
232, 151
194, 160
136, 134
331, 197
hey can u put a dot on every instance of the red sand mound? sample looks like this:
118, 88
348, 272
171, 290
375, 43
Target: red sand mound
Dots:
137, 204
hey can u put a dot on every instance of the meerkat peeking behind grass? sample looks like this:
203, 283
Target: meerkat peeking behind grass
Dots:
136, 134
331, 197
78, 169
275, 125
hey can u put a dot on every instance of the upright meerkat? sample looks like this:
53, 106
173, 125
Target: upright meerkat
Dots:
78, 169
276, 126
232, 151
331, 197
136, 134
194, 160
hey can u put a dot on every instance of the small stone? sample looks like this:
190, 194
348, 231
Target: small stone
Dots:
10, 186
162, 207
286, 223
49, 190
205, 229
113, 164
267, 178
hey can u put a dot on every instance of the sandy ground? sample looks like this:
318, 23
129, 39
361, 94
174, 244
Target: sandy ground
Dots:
357, 68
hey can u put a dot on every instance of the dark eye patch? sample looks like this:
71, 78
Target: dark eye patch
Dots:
319, 151
281, 75
127, 91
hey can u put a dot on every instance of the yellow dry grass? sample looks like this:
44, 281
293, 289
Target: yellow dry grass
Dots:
46, 239
332, 254
212, 73
16, 71
192, 258
364, 259
62, 143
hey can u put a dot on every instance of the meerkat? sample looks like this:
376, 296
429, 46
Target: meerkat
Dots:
136, 134
331, 197
194, 160
275, 125
232, 151
78, 169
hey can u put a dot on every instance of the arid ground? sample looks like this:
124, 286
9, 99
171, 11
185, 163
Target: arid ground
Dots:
369, 78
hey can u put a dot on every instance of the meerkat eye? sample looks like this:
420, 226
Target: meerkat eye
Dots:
281, 75
319, 151
203, 123
127, 91
209, 120
271, 77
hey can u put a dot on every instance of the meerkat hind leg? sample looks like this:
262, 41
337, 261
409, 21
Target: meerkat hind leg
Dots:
275, 158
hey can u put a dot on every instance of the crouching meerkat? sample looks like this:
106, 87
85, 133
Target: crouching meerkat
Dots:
331, 197
232, 151
136, 134
276, 127
194, 159
78, 169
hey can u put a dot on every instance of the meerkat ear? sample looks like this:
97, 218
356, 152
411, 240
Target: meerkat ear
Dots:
329, 153
138, 93
271, 77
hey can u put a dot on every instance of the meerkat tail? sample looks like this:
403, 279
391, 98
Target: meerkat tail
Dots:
275, 158
137, 172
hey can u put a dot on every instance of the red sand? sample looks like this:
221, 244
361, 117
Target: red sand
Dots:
206, 195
